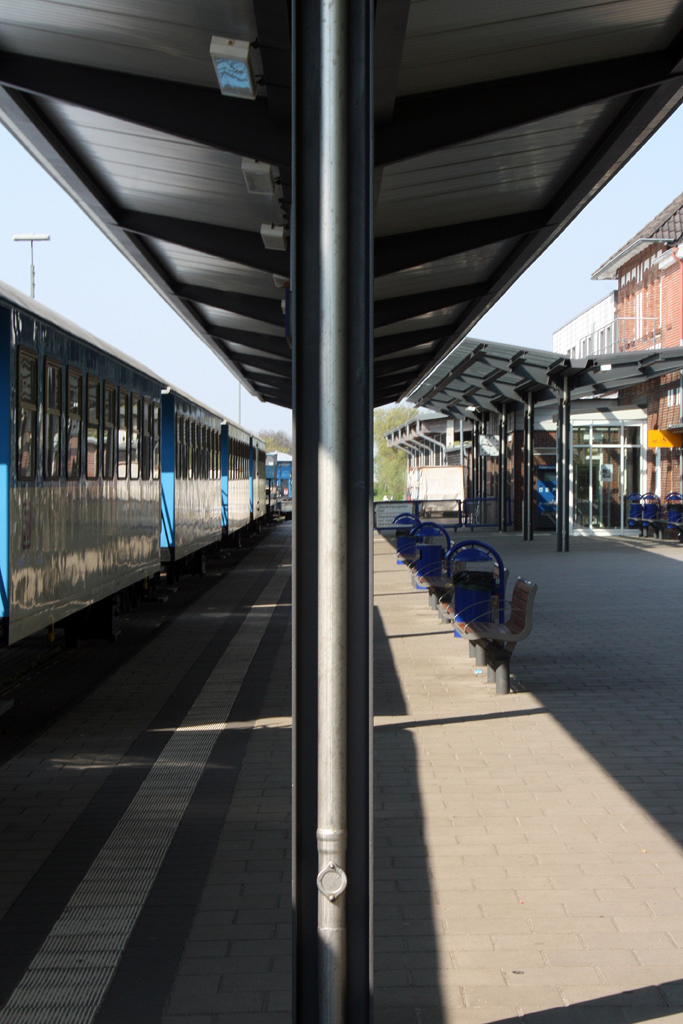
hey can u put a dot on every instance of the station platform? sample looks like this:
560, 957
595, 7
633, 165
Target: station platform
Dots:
527, 863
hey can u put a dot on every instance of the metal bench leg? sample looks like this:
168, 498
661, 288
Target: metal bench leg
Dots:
491, 673
473, 649
433, 601
503, 676
480, 653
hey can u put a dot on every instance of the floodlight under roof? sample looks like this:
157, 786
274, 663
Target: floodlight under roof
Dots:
274, 236
258, 177
231, 60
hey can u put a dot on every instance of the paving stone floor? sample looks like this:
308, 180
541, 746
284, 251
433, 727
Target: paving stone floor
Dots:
528, 858
528, 846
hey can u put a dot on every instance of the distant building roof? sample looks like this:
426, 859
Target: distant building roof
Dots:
666, 227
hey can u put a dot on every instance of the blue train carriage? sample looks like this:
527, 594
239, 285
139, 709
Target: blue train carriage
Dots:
191, 477
236, 490
257, 466
79, 469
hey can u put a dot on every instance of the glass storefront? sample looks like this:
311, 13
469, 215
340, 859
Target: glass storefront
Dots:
606, 469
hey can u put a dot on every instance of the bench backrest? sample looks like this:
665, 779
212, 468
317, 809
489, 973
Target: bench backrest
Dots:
522, 604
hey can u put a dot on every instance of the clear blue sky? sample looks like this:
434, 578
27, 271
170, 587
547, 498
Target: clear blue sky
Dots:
81, 275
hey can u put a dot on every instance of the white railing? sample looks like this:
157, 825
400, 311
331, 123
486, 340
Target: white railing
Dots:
619, 335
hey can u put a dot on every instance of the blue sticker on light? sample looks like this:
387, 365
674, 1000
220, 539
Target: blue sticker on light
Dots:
232, 74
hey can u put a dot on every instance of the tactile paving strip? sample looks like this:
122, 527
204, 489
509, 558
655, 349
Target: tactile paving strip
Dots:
67, 979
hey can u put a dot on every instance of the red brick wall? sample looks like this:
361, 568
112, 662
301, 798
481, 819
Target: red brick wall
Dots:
661, 297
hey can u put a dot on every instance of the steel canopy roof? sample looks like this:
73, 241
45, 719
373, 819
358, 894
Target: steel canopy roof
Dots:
495, 125
484, 376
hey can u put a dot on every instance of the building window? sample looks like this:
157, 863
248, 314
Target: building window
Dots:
74, 410
27, 400
109, 432
672, 397
53, 420
92, 459
122, 471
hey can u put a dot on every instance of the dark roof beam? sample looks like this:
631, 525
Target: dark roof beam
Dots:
268, 311
405, 307
191, 112
269, 343
233, 244
413, 248
425, 122
272, 25
276, 367
394, 343
390, 367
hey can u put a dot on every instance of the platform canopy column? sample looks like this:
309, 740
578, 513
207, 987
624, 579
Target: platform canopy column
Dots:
332, 351
564, 455
529, 466
502, 469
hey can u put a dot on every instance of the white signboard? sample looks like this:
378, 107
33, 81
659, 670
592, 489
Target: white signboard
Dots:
606, 472
489, 444
386, 511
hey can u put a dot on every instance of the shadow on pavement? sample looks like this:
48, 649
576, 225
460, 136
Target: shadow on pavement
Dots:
405, 936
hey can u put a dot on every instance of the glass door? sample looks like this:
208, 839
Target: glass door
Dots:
606, 462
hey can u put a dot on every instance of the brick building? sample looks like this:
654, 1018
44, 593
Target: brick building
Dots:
638, 430
649, 315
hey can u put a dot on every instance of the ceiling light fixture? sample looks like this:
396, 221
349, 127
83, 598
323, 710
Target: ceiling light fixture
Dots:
258, 177
231, 60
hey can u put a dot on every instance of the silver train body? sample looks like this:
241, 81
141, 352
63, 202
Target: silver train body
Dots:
105, 471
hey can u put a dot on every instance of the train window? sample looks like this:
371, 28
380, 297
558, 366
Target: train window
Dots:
156, 440
109, 432
134, 437
74, 412
186, 435
197, 450
122, 471
205, 454
28, 410
53, 420
190, 449
178, 446
92, 459
146, 437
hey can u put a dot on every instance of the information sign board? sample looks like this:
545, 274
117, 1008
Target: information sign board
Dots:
385, 511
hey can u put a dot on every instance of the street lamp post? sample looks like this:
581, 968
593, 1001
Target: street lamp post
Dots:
31, 239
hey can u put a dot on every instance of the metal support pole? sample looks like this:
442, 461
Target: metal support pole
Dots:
567, 434
506, 490
529, 467
525, 475
332, 360
475, 459
305, 324
559, 474
332, 579
462, 458
501, 471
